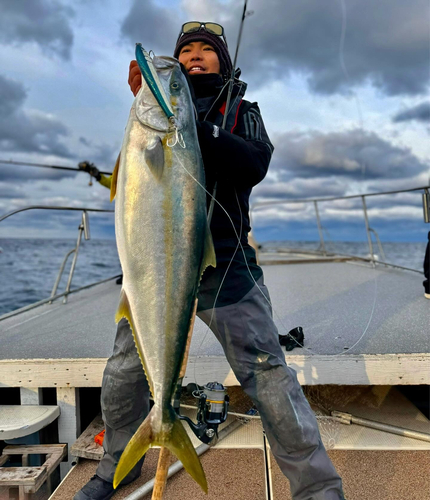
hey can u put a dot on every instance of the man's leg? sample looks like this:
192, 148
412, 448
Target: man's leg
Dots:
125, 404
124, 400
250, 341
426, 266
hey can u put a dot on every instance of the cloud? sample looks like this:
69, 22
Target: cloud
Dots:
44, 22
338, 45
10, 191
155, 27
420, 113
103, 155
29, 131
300, 188
353, 154
385, 43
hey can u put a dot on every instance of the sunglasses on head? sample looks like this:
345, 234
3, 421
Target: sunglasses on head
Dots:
196, 26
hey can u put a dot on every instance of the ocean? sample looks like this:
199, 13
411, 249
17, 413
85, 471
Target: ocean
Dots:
29, 267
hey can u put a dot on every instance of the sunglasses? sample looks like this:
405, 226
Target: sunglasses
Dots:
196, 26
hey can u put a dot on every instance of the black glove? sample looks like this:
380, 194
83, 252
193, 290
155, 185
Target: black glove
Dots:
86, 166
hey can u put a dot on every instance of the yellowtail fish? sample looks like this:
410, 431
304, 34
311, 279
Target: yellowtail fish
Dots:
164, 245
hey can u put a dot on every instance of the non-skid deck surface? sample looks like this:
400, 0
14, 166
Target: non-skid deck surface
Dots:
232, 474
333, 302
346, 309
239, 475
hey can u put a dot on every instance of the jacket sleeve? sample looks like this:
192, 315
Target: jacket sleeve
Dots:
105, 181
241, 157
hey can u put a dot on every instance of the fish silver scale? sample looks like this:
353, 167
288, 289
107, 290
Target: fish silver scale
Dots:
160, 230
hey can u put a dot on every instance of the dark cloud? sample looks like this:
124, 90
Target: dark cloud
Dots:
354, 155
420, 113
12, 96
155, 27
101, 154
386, 43
11, 191
25, 131
45, 22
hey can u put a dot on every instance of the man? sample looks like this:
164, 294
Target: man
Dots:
426, 266
232, 297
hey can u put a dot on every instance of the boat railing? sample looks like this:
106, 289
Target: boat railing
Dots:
83, 230
369, 230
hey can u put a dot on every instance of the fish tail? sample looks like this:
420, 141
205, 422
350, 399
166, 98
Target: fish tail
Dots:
173, 436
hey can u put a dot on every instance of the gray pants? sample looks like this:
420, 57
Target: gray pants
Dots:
249, 338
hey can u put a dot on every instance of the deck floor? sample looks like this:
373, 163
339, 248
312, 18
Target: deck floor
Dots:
335, 303
239, 475
346, 309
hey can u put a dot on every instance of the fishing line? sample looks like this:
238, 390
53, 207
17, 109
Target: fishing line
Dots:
213, 199
346, 73
217, 294
344, 351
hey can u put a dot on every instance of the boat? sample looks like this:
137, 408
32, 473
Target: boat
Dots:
367, 383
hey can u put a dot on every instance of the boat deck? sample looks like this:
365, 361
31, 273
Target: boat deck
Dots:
239, 475
368, 460
362, 326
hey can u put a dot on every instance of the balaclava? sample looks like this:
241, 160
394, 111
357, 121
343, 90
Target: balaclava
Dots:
217, 43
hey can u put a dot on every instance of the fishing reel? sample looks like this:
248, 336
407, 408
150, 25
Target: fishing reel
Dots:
212, 410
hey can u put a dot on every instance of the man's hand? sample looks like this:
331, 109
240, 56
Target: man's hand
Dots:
134, 77
86, 166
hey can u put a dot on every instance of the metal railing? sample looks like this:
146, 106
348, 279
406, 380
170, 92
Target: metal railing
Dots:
83, 230
369, 230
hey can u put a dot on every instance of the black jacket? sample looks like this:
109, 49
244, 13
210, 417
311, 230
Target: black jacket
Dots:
237, 159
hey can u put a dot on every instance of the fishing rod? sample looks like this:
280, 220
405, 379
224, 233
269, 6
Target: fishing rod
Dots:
43, 165
233, 71
229, 94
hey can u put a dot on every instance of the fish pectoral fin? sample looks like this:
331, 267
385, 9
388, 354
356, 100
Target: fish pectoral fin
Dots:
176, 440
209, 257
154, 158
114, 179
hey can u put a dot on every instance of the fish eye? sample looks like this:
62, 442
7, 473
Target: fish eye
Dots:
174, 85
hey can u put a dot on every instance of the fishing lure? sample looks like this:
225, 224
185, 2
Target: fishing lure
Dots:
149, 73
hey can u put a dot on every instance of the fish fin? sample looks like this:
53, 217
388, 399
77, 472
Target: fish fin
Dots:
209, 257
137, 446
175, 439
154, 158
181, 446
114, 179
123, 310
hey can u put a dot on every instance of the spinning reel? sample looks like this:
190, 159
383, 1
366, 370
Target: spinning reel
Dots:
212, 410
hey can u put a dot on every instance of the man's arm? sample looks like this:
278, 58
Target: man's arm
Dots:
242, 157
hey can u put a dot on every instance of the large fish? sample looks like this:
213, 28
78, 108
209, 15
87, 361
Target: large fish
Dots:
164, 245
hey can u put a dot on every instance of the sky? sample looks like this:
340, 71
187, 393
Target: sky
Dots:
343, 88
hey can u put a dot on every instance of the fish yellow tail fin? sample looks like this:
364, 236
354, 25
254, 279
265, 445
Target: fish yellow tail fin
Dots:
167, 432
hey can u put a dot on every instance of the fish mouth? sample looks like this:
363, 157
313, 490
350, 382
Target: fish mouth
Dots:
164, 62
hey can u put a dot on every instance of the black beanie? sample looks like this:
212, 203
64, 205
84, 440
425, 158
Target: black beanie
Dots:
217, 43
